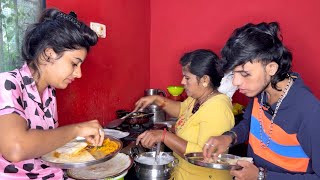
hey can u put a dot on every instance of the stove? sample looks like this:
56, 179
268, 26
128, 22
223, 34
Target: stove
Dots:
134, 129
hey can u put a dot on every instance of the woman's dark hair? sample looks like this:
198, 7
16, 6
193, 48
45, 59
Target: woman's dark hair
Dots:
203, 62
258, 42
58, 31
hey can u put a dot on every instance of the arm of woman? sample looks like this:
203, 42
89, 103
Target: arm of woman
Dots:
20, 143
169, 106
18, 140
175, 143
149, 138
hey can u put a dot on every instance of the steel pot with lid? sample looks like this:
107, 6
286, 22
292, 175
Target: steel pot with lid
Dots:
159, 114
147, 168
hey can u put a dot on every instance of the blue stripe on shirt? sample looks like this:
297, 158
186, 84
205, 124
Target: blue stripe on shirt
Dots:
288, 151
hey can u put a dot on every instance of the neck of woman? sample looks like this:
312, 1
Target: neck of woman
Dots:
205, 96
38, 80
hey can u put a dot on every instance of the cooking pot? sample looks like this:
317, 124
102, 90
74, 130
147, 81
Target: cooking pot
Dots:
159, 114
150, 92
138, 118
146, 168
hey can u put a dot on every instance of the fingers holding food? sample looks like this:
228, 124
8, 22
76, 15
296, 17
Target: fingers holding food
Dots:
91, 130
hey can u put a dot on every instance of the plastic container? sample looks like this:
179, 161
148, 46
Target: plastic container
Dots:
175, 90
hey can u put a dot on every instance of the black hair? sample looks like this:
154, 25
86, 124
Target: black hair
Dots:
203, 62
260, 42
58, 31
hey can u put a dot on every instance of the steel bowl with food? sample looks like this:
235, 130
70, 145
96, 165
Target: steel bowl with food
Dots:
147, 168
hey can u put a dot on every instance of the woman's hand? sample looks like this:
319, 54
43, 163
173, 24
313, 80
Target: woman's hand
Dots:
92, 131
216, 145
248, 172
145, 101
149, 138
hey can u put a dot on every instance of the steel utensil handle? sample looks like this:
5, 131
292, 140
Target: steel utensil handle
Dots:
117, 122
157, 152
123, 117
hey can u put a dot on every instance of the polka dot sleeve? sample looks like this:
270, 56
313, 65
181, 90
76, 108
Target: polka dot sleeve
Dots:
11, 98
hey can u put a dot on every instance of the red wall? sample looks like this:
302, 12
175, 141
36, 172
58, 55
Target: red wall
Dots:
146, 38
116, 71
179, 26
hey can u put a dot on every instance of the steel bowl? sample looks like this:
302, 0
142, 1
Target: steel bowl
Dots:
154, 171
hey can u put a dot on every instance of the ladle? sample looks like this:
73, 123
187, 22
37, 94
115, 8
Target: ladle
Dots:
116, 122
157, 152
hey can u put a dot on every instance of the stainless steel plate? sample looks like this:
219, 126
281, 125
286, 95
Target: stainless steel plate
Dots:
197, 159
117, 166
87, 163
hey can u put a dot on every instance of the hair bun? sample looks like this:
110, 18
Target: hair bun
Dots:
73, 14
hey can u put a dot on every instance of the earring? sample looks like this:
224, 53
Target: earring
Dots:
204, 84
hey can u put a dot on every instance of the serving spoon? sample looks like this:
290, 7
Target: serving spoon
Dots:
156, 157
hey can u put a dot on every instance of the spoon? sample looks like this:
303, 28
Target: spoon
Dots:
116, 122
157, 152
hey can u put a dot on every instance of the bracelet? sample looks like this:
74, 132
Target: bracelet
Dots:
163, 134
233, 136
163, 103
262, 174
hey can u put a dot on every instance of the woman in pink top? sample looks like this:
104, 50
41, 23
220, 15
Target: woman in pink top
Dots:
53, 50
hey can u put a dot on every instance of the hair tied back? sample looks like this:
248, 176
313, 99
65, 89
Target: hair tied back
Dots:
72, 17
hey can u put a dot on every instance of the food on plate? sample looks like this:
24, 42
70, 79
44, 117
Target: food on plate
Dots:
108, 146
79, 151
71, 152
71, 148
234, 161
210, 160
229, 161
164, 158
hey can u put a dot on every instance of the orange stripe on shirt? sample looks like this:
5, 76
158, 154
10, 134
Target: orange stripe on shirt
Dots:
290, 139
290, 164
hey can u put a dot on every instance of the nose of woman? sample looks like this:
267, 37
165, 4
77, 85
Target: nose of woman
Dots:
77, 72
183, 81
